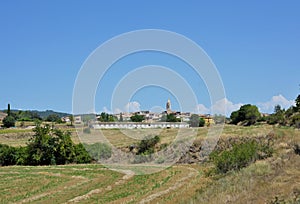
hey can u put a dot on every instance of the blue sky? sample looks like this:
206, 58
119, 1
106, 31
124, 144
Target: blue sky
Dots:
255, 46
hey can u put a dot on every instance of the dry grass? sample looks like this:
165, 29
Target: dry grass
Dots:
89, 184
260, 182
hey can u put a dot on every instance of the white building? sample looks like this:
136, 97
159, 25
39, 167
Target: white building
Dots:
132, 125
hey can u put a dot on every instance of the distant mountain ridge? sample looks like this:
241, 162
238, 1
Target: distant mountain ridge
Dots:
42, 114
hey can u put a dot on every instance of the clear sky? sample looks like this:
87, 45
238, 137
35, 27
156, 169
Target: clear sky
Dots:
255, 46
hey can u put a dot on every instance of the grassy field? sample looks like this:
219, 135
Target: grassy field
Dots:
90, 184
274, 179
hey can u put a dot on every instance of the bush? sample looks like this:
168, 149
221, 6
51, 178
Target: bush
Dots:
9, 121
82, 156
241, 155
87, 130
7, 155
99, 151
147, 145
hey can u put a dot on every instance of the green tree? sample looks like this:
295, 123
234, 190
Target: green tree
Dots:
163, 118
234, 117
201, 122
64, 151
105, 117
172, 118
248, 114
8, 109
81, 155
50, 146
298, 103
295, 120
9, 121
112, 118
7, 155
71, 117
137, 118
278, 117
53, 118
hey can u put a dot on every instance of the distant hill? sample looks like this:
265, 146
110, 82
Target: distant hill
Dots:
45, 114
42, 114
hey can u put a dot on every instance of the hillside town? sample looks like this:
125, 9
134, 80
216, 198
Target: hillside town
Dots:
166, 119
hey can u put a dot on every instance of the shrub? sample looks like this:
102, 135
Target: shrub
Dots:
241, 155
99, 151
81, 155
147, 145
9, 121
7, 155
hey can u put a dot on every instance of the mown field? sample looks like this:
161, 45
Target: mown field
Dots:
273, 180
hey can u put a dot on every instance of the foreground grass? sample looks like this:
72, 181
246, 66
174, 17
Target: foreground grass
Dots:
88, 184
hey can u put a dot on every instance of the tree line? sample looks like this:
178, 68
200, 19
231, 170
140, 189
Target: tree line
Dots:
34, 116
249, 115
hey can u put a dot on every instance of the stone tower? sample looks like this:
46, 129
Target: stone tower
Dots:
168, 107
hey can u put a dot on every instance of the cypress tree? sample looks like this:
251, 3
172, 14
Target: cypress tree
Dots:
8, 109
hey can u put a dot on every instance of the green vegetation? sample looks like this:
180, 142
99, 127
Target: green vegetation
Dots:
9, 121
98, 151
196, 121
248, 114
240, 156
48, 146
53, 118
278, 117
8, 110
10, 155
289, 117
147, 145
241, 148
172, 118
137, 118
71, 117
105, 117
